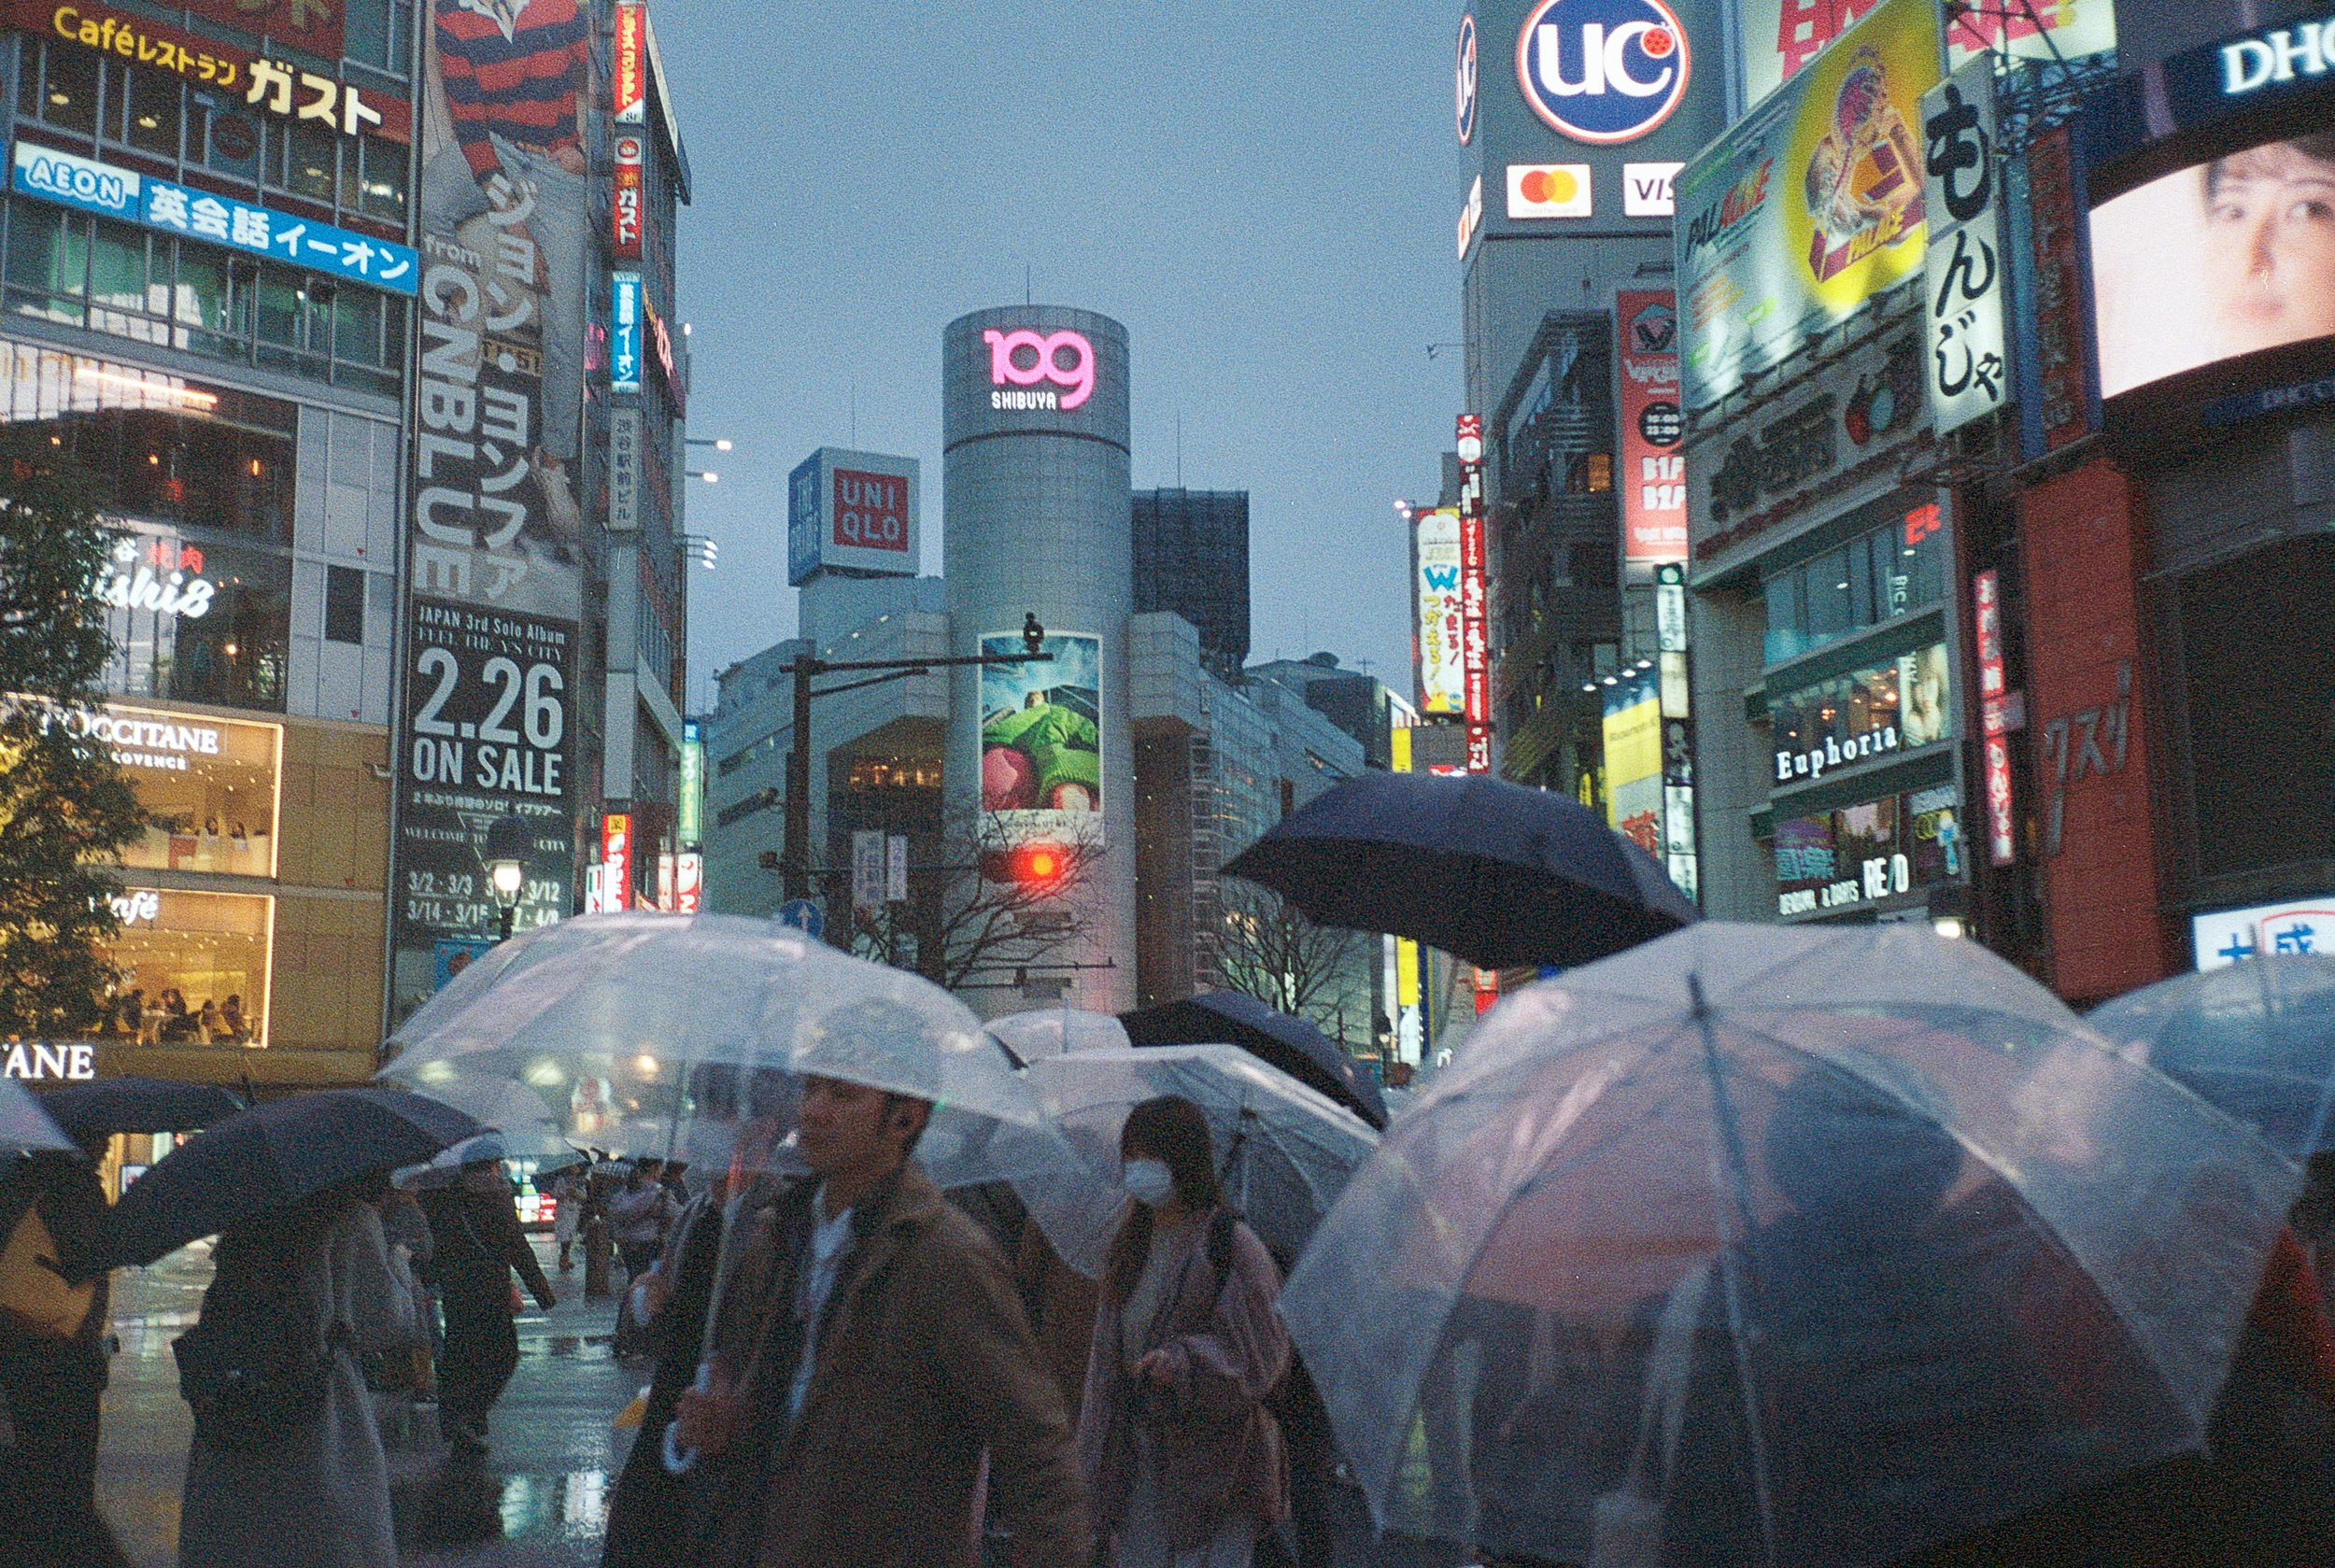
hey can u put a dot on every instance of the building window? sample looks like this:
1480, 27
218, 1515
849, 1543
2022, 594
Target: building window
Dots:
1875, 577
210, 785
344, 604
236, 653
196, 968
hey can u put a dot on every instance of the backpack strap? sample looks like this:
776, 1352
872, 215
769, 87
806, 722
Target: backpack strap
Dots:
1218, 1250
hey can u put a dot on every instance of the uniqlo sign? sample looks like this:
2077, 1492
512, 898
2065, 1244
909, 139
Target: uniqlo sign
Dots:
625, 238
870, 511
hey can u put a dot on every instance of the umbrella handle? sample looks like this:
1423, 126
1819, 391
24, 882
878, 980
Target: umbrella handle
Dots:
678, 1460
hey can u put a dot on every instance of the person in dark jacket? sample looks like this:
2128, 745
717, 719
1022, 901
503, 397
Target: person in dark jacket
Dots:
478, 1243
49, 1386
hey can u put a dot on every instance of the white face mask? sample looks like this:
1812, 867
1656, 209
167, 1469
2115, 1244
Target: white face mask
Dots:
1148, 1181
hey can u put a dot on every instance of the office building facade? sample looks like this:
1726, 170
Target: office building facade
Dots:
1191, 559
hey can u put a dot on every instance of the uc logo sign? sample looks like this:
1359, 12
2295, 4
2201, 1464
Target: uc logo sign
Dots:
1602, 71
1465, 80
1024, 359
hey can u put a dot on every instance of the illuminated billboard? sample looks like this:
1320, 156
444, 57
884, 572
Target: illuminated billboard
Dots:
1632, 734
1442, 634
2226, 257
1041, 767
1810, 206
1653, 481
1780, 37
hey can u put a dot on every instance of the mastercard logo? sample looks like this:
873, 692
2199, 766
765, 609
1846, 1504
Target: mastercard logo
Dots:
1549, 191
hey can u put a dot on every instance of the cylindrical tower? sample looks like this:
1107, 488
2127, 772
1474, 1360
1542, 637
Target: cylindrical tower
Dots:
1036, 499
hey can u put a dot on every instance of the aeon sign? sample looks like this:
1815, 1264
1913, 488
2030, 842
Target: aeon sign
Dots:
1602, 71
1022, 359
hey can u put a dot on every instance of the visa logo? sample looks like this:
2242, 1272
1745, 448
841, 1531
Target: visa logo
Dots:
1647, 189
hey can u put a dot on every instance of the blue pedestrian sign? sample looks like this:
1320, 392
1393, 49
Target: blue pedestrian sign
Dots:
804, 916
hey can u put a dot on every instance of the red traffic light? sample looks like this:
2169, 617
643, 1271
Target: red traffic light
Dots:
1038, 863
1038, 866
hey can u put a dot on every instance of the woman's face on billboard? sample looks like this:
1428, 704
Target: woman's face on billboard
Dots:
2270, 243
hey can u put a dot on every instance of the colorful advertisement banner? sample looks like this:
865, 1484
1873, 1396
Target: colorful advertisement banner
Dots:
1440, 657
2297, 928
616, 861
112, 191
266, 86
1811, 205
1995, 749
1780, 37
1041, 767
506, 236
1654, 478
1633, 760
1474, 594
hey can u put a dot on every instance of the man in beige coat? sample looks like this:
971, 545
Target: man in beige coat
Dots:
870, 1349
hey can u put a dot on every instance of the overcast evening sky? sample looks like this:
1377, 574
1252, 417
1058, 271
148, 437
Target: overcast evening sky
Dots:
1264, 194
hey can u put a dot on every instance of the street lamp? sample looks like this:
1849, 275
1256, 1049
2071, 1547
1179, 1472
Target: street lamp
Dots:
705, 474
699, 548
719, 443
508, 842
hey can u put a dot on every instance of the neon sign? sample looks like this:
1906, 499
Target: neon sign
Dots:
1629, 65
1007, 369
127, 583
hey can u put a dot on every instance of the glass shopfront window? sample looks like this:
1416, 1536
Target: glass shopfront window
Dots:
210, 785
1875, 578
1869, 854
162, 447
199, 623
196, 968
1888, 707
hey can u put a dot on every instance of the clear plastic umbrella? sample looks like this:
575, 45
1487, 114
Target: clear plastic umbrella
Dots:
23, 1125
1284, 1151
1779, 1245
2256, 1038
1044, 1032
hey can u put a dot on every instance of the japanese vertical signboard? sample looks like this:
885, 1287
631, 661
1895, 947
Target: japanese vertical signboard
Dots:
616, 861
1475, 585
1968, 376
629, 73
624, 470
867, 869
624, 206
2002, 825
1653, 481
689, 820
1809, 206
1441, 667
2057, 403
491, 639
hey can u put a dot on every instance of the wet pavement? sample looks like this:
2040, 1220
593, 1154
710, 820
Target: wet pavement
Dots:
541, 1500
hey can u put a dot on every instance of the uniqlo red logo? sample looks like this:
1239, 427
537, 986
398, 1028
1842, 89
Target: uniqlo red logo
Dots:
870, 511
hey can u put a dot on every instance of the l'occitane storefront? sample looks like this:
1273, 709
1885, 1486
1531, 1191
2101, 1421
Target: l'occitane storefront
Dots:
252, 911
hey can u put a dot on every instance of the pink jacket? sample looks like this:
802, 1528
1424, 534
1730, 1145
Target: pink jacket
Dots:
1220, 1448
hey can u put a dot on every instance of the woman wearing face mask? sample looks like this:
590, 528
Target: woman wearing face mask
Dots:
1184, 1460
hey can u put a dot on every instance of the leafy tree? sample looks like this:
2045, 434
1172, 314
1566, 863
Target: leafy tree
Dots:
66, 811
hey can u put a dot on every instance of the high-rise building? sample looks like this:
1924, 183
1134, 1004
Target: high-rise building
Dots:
1191, 559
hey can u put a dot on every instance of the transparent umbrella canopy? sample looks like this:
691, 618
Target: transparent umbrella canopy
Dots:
2256, 1038
23, 1125
1784, 1247
1284, 1151
1044, 1032
619, 1021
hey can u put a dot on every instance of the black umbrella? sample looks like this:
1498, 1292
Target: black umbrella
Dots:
137, 1104
269, 1158
1501, 875
1277, 1038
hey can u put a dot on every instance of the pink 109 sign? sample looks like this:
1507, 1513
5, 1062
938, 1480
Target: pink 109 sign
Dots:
870, 510
1031, 370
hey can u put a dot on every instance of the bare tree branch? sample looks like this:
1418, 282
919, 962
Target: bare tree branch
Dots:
1262, 947
959, 928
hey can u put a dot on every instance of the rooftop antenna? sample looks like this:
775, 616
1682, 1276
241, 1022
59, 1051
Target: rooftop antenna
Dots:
1180, 448
1026, 298
855, 414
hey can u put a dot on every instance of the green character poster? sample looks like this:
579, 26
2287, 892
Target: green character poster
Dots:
1041, 734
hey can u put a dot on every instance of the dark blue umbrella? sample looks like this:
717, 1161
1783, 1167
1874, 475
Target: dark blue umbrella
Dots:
1276, 1038
1498, 874
268, 1158
137, 1104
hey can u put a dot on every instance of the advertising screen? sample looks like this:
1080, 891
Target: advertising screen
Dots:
1884, 709
1868, 853
1809, 206
1041, 773
1442, 634
2222, 259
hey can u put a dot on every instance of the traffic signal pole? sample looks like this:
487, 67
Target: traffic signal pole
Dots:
795, 856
